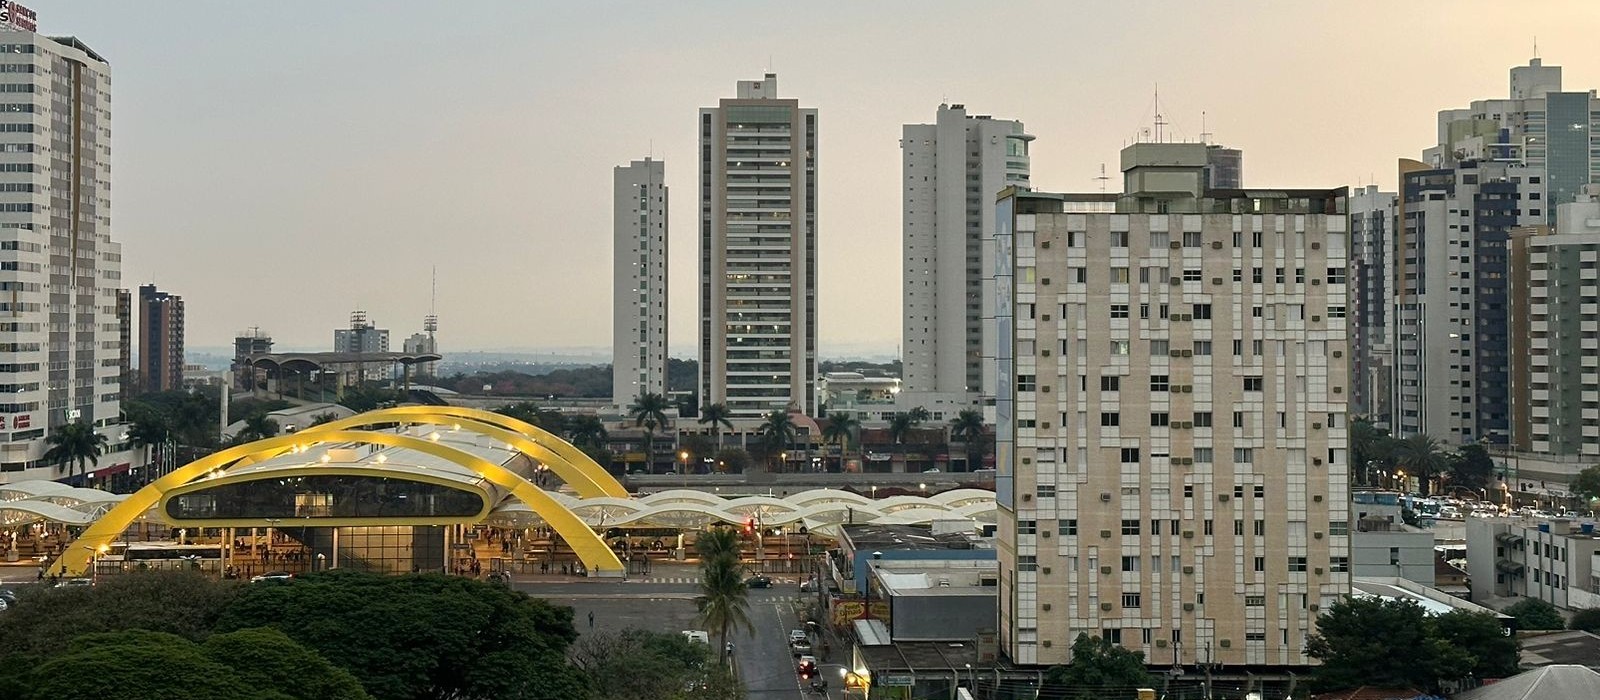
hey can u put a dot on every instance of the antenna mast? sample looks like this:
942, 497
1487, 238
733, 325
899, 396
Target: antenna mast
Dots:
1160, 121
1205, 136
430, 323
1102, 178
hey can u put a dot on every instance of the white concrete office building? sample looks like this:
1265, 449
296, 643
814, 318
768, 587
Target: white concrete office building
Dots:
60, 342
639, 281
758, 252
1171, 422
951, 171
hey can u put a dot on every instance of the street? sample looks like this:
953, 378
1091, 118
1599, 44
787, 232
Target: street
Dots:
665, 603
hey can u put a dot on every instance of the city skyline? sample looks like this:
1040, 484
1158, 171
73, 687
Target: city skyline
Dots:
495, 172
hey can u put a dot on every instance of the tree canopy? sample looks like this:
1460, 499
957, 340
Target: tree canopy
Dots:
1394, 643
1535, 614
1099, 670
1586, 484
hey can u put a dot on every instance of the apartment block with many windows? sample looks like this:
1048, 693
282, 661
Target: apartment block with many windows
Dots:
639, 281
1171, 416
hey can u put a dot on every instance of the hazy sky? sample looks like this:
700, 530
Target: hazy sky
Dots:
281, 163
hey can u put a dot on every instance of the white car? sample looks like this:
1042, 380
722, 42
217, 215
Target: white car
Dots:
798, 636
272, 576
697, 636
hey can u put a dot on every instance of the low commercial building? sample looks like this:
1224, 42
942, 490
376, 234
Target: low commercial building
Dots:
1381, 544
943, 544
1554, 560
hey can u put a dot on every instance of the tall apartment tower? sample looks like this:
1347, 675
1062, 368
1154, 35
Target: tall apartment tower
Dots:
639, 281
125, 338
1171, 448
1371, 291
160, 339
1452, 328
1539, 125
758, 252
61, 336
952, 170
363, 338
1553, 317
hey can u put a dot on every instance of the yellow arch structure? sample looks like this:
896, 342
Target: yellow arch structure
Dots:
591, 550
585, 475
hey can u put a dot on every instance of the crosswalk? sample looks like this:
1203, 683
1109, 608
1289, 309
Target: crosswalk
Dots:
693, 580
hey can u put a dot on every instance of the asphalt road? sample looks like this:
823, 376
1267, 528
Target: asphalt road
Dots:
762, 654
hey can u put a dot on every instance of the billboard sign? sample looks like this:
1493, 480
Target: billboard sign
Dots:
17, 16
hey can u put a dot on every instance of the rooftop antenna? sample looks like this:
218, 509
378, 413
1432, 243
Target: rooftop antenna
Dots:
430, 323
1205, 136
1160, 121
1536, 46
1102, 178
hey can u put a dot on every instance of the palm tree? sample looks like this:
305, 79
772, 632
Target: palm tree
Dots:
649, 411
841, 428
77, 444
717, 543
775, 435
900, 427
716, 414
722, 601
257, 427
1369, 446
968, 428
1422, 456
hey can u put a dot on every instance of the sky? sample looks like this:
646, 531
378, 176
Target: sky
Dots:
281, 164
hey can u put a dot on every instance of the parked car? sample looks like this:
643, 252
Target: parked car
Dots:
758, 582
8, 598
798, 635
799, 648
75, 582
807, 666
931, 470
697, 636
272, 576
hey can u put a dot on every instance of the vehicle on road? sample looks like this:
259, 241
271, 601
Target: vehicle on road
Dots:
75, 583
808, 586
758, 582
798, 635
931, 470
807, 666
799, 648
272, 576
8, 599
697, 636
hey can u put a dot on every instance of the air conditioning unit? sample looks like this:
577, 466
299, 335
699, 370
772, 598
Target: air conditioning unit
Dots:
1222, 497
1188, 569
1027, 497
1045, 534
1105, 496
1187, 389
1317, 571
1225, 643
1338, 353
1027, 460
1045, 245
1105, 607
1188, 607
1338, 390
1161, 643
1175, 281
1043, 570
1045, 643
1175, 245
1105, 534
1216, 281
1188, 534
1187, 353
1316, 535
1317, 498
1316, 461
1314, 607
1316, 245
1046, 608
1216, 245
1105, 570
1185, 460
1315, 318
1314, 282
1175, 353
1044, 317
1316, 426
1044, 353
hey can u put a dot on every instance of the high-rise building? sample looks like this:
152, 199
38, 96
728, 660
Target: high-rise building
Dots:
951, 171
423, 343
160, 339
1171, 448
639, 281
1371, 291
62, 344
758, 252
125, 382
1553, 322
246, 343
1451, 328
1224, 167
1539, 125
362, 338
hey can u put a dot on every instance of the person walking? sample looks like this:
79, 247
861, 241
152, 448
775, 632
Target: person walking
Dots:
591, 619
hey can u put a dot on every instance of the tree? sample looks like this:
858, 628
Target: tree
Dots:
1372, 641
722, 603
968, 429
421, 636
716, 415
1586, 485
138, 665
900, 425
649, 411
717, 543
1587, 619
1536, 614
321, 418
256, 427
919, 415
1099, 670
1471, 467
635, 663
732, 460
1490, 652
268, 659
1369, 447
1422, 456
147, 427
75, 444
699, 447
842, 429
587, 431
777, 432
184, 603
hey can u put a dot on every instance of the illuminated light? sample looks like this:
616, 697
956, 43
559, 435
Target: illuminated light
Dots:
434, 436
325, 458
382, 458
456, 427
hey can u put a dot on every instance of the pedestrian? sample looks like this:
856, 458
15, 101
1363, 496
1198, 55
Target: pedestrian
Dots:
563, 568
591, 619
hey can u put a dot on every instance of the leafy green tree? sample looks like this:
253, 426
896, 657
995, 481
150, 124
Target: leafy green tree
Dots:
967, 427
1099, 670
732, 460
717, 416
635, 663
720, 542
650, 412
1586, 485
1491, 652
842, 428
587, 431
75, 444
1471, 467
427, 636
776, 434
139, 665
900, 425
1587, 619
919, 415
1372, 641
268, 658
1535, 614
698, 446
1369, 447
1422, 457
148, 427
184, 603
257, 426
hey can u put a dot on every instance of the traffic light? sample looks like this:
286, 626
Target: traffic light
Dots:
749, 526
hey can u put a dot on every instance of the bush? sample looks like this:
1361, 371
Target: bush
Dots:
1587, 620
1535, 614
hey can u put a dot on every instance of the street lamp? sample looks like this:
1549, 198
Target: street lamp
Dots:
683, 461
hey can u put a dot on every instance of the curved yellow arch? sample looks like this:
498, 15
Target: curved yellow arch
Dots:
591, 550
586, 476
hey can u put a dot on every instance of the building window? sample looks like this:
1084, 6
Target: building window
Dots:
1202, 419
1261, 528
1255, 601
1191, 239
1119, 275
1339, 564
1202, 348
1209, 527
1119, 310
1261, 564
1119, 347
1119, 239
1110, 382
1202, 455
1160, 348
1188, 490
1027, 563
1297, 564
1130, 455
1112, 634
1067, 527
1110, 420
1243, 455
1027, 527
1158, 420
1046, 491
1027, 382
1130, 527
1252, 384
1158, 382
1130, 564
1202, 312
1192, 276
1130, 600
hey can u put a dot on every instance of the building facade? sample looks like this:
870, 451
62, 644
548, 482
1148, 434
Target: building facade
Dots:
1371, 290
1224, 167
951, 171
1538, 125
160, 339
758, 252
361, 338
1452, 327
249, 342
62, 338
1554, 560
1554, 319
1171, 418
639, 281
125, 336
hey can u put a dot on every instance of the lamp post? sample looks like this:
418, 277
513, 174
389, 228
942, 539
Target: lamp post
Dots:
683, 467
